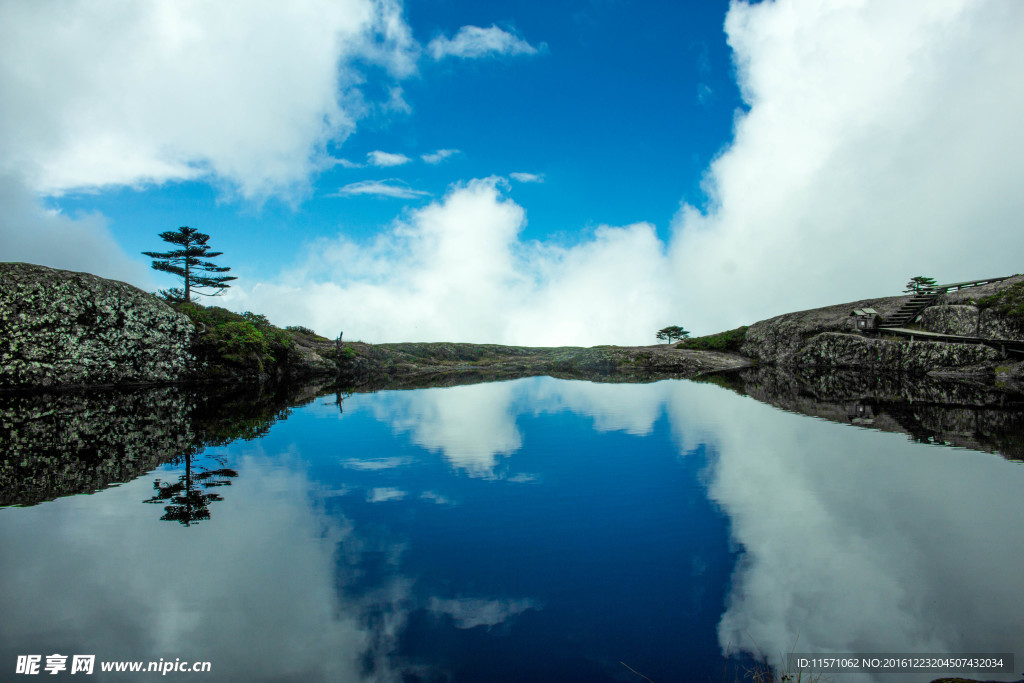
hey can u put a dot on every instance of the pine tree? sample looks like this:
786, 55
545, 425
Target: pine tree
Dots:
672, 332
188, 263
919, 284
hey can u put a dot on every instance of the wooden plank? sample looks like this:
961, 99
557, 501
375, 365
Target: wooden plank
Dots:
953, 338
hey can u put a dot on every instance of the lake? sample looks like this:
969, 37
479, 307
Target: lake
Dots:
535, 529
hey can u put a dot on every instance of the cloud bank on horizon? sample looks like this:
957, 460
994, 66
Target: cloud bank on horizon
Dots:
879, 141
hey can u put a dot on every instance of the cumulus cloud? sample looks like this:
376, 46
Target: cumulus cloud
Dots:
385, 494
527, 177
457, 270
184, 90
439, 156
32, 233
385, 159
392, 187
473, 41
882, 141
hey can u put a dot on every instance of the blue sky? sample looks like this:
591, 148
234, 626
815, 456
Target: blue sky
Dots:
603, 112
568, 172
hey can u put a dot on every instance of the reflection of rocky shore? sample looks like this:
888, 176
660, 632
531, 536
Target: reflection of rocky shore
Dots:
927, 409
62, 443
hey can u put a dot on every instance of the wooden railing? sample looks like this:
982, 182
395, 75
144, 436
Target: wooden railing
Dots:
957, 286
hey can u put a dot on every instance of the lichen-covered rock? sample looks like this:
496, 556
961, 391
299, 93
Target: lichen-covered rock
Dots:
913, 357
799, 339
968, 321
60, 328
305, 362
957, 319
994, 326
56, 443
777, 340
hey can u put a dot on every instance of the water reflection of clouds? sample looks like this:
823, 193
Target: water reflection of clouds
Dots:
373, 464
473, 426
473, 612
385, 494
852, 539
254, 590
861, 541
436, 498
630, 408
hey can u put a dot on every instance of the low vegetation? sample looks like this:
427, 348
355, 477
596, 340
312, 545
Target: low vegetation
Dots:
730, 340
1008, 302
230, 342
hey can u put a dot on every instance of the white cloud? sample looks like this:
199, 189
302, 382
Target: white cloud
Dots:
704, 93
33, 234
385, 494
439, 156
882, 141
381, 188
473, 41
456, 270
384, 159
124, 93
527, 177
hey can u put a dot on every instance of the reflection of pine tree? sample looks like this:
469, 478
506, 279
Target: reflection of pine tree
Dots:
187, 501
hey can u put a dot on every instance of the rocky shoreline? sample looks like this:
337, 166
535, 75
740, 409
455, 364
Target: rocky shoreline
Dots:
65, 329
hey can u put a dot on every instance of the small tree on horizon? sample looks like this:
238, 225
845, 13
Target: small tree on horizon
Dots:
672, 332
919, 283
187, 263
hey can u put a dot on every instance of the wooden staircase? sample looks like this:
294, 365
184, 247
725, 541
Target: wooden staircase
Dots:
911, 309
926, 297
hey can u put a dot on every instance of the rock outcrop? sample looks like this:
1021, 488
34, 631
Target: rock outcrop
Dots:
927, 409
61, 328
967, 320
914, 357
444, 364
64, 442
823, 337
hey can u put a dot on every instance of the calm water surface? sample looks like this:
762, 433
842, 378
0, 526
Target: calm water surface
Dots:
537, 529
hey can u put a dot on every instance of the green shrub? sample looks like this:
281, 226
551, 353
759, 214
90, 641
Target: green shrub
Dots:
730, 340
246, 340
242, 344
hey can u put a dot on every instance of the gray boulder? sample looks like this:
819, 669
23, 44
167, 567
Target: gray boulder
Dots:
61, 328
